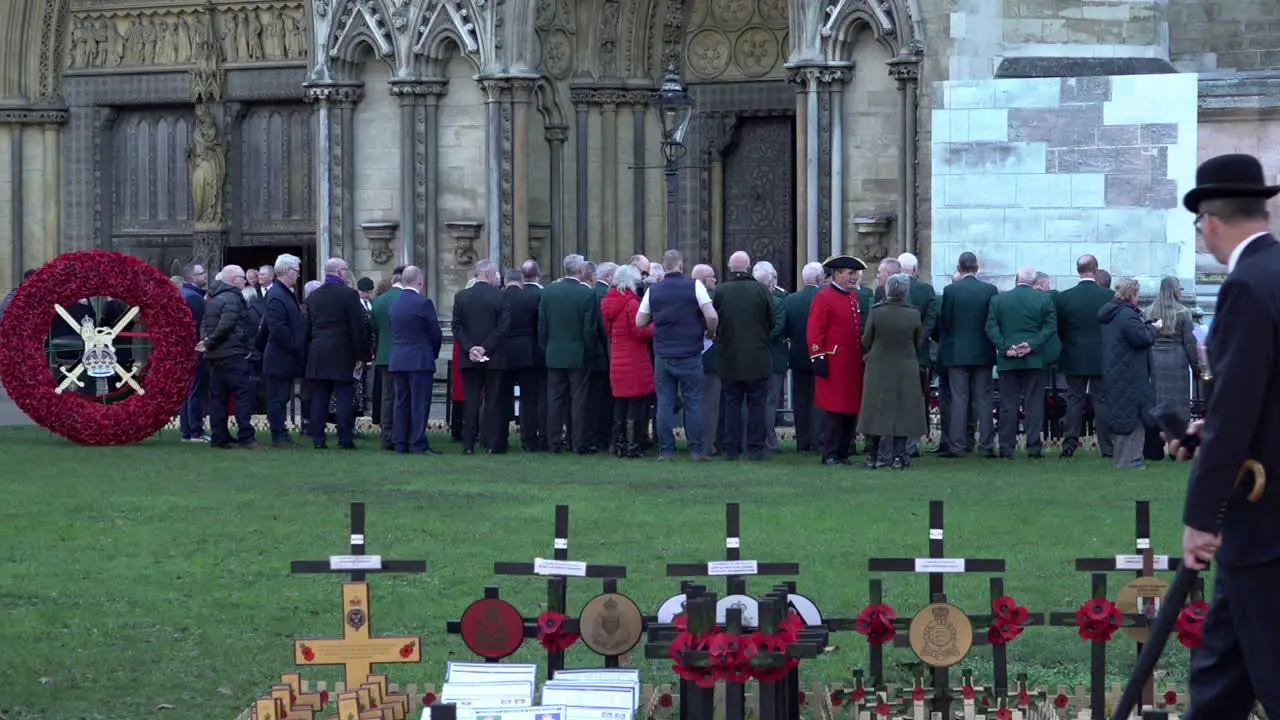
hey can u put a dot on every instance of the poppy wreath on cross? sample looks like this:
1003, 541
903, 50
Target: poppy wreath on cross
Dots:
47, 393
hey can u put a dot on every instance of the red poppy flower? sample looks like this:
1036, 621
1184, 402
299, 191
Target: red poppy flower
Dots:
324, 698
1060, 701
429, 699
283, 714
967, 692
883, 709
164, 378
664, 700
293, 698
406, 651
308, 654
917, 694
1004, 714
1098, 619
551, 621
1171, 698
802, 697
837, 697
1024, 698
858, 694
876, 622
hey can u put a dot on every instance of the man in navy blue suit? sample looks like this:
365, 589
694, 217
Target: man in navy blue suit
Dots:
285, 356
415, 345
1240, 658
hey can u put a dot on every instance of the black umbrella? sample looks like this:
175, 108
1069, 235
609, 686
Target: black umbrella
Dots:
1174, 600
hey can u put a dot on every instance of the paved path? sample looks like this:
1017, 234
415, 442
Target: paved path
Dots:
9, 413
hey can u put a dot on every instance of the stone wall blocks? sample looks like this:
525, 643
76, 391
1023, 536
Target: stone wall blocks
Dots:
1027, 93
1088, 190
1024, 226
1044, 256
975, 95
988, 125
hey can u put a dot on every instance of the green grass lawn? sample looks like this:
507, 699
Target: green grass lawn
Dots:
159, 573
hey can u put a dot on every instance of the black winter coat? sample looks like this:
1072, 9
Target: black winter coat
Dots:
226, 330
1126, 365
337, 335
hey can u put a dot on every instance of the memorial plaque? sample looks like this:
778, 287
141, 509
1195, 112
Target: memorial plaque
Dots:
805, 608
610, 624
941, 635
749, 606
492, 628
1141, 596
671, 608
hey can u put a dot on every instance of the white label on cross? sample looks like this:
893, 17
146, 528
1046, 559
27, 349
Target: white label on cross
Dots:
355, 562
935, 533
1144, 543
1134, 562
732, 543
357, 539
733, 567
563, 568
939, 565
561, 544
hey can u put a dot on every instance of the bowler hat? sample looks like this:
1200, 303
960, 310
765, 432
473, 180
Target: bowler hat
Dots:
1229, 176
844, 262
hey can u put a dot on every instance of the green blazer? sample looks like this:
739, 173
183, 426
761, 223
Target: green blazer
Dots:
1079, 329
382, 319
569, 325
1023, 314
796, 310
781, 352
962, 324
866, 298
924, 298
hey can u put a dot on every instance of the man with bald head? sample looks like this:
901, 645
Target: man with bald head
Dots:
1080, 361
745, 334
227, 339
1020, 324
415, 346
335, 354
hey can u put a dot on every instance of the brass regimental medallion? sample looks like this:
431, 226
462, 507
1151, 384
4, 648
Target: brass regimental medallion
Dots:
356, 618
941, 635
611, 624
1141, 597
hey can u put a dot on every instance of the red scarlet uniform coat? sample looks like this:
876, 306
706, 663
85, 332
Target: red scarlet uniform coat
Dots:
835, 330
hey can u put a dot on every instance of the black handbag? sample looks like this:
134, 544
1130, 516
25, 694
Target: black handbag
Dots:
821, 367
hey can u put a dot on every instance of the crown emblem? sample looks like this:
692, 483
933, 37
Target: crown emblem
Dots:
611, 605
99, 356
941, 613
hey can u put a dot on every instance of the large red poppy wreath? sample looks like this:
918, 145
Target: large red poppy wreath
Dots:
163, 380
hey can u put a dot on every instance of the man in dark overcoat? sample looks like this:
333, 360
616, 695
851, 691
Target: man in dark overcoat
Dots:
479, 325
808, 416
337, 345
968, 356
569, 335
1240, 656
285, 357
745, 334
1080, 331
518, 351
533, 434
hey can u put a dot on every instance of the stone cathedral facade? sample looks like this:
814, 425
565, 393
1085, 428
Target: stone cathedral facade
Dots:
440, 132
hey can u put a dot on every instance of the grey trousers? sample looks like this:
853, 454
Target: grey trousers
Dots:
710, 411
970, 402
387, 406
1014, 386
772, 404
1078, 386
1128, 448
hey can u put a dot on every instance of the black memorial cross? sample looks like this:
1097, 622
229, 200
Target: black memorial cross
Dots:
359, 562
557, 570
937, 565
1143, 563
733, 568
999, 652
1098, 653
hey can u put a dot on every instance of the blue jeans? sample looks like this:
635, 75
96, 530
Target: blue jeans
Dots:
279, 395
191, 417
683, 376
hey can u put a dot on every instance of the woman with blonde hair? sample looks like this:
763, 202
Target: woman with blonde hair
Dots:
1174, 354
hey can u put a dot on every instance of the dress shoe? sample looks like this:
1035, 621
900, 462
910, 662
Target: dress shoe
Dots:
348, 446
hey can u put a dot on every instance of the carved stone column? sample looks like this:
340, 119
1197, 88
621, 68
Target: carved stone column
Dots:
820, 119
235, 113
419, 170
608, 100
16, 223
581, 98
639, 113
556, 137
521, 101
51, 189
906, 70
498, 136
335, 139
104, 120
839, 77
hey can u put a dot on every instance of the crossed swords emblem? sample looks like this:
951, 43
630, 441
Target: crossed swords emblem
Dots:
97, 345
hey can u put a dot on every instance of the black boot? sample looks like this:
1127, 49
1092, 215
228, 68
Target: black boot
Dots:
629, 441
619, 440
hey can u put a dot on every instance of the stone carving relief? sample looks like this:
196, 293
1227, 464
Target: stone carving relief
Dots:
738, 40
206, 77
555, 24
207, 162
166, 38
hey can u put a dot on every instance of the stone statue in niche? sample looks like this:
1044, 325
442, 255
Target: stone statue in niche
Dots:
81, 40
251, 27
273, 35
230, 36
208, 167
206, 76
109, 44
148, 41
164, 53
133, 51
295, 39
182, 27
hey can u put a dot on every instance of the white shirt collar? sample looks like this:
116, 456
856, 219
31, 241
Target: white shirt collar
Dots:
397, 285
1235, 254
1092, 280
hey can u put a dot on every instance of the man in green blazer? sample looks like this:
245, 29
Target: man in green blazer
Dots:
745, 334
568, 333
382, 378
968, 357
1020, 324
809, 418
766, 274
1080, 333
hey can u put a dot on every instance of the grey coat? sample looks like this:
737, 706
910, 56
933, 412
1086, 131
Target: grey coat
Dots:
1126, 365
892, 401
1173, 357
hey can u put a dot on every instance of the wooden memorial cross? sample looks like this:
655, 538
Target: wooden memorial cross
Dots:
358, 563
1145, 595
936, 565
1098, 654
557, 570
999, 653
357, 650
733, 568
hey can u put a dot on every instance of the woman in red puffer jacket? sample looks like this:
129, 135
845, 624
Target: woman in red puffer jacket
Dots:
630, 364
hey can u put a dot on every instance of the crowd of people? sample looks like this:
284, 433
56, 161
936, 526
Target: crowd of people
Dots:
612, 358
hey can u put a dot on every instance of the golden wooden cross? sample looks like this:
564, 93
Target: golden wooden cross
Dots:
357, 650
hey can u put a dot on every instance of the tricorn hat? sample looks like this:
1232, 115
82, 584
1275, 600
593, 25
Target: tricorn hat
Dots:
844, 262
1229, 176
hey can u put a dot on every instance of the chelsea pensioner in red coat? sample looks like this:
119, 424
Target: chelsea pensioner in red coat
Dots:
835, 346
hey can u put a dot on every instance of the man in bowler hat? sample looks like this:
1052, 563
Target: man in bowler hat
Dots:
1240, 658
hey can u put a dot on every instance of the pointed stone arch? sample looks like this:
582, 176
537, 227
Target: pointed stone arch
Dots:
357, 29
438, 49
894, 24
